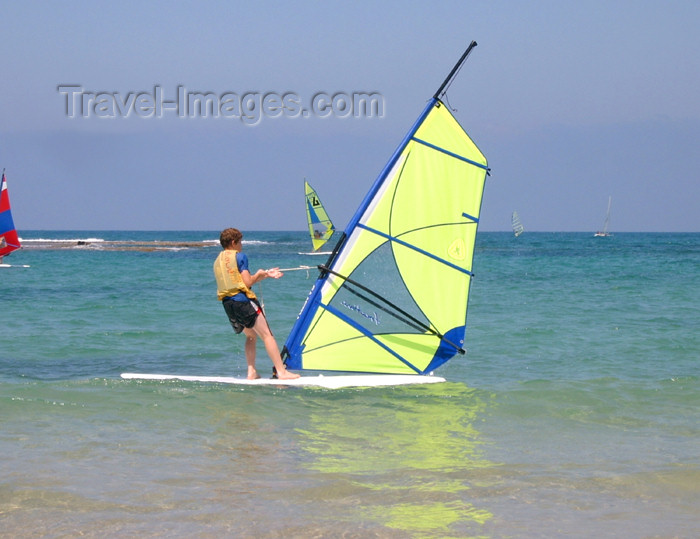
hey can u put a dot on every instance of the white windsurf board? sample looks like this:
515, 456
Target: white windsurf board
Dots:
328, 382
13, 266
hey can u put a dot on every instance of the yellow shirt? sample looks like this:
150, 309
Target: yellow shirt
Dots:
228, 279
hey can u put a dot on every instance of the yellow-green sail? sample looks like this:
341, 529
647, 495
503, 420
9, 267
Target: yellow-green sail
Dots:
393, 297
320, 226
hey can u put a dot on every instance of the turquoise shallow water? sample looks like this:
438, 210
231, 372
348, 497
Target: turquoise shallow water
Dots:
575, 411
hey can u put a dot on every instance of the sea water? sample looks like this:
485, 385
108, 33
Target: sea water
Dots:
574, 413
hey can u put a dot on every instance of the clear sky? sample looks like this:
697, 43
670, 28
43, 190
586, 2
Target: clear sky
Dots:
571, 102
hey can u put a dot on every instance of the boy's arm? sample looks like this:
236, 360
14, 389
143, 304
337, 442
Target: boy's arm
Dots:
259, 275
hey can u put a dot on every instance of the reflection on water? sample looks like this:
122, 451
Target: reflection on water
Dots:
181, 459
404, 458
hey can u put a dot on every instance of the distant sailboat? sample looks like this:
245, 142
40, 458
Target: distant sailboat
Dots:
9, 241
604, 233
320, 226
517, 225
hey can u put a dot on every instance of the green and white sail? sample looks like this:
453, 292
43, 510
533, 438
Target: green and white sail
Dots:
393, 296
320, 226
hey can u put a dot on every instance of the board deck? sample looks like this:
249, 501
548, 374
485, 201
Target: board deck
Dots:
14, 266
328, 382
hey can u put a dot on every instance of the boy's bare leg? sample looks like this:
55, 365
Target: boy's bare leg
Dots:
250, 341
263, 330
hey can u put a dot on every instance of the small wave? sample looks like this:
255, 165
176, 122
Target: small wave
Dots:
115, 245
250, 242
54, 240
245, 242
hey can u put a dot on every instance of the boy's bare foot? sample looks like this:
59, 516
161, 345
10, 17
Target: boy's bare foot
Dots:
286, 375
253, 375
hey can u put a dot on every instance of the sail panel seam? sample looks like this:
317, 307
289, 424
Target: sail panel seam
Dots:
414, 248
451, 154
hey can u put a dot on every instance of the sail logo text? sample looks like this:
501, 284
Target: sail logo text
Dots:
248, 107
373, 317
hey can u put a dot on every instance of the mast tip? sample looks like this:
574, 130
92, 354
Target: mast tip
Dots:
448, 80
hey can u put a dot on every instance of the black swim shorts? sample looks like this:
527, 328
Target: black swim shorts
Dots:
241, 314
